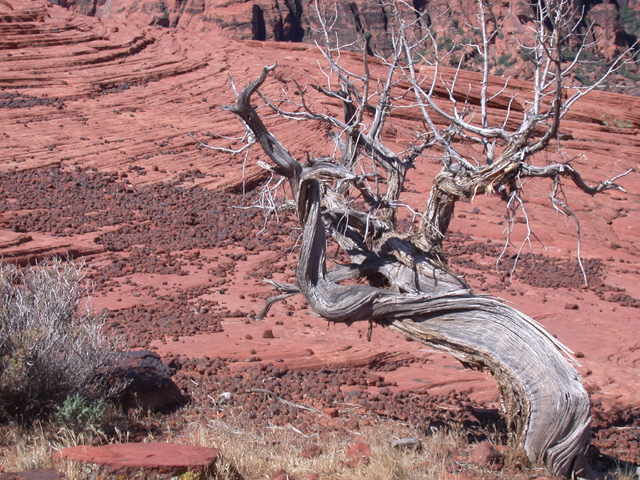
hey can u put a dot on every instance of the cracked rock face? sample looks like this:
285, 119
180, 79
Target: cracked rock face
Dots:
295, 21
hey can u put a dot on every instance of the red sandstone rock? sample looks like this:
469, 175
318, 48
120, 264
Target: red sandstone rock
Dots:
158, 73
130, 457
295, 22
149, 383
331, 412
358, 453
281, 475
484, 455
34, 474
268, 334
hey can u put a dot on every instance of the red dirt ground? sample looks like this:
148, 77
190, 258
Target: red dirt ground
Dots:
99, 160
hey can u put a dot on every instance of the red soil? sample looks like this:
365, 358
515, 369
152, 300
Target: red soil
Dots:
100, 160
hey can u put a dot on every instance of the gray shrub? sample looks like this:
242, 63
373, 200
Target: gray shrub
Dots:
51, 345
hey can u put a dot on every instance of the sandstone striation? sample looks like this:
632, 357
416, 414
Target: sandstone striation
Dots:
613, 25
101, 161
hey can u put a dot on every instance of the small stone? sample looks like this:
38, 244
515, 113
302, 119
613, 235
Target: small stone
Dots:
281, 475
331, 412
571, 306
358, 453
484, 455
311, 451
268, 334
225, 397
352, 424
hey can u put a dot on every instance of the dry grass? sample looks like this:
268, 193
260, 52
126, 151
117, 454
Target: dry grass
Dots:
23, 448
256, 451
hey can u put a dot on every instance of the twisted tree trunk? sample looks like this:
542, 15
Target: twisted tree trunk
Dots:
546, 406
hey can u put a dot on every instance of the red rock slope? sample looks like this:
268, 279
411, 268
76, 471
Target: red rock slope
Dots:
83, 93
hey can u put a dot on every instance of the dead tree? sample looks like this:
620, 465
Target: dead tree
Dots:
409, 287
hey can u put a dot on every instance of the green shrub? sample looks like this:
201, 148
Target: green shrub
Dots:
445, 43
50, 348
78, 413
527, 54
505, 60
630, 21
583, 78
569, 55
630, 75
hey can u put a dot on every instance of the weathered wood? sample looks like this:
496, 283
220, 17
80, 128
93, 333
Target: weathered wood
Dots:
546, 406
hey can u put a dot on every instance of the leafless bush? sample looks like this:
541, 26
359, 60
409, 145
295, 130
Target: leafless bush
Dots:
51, 346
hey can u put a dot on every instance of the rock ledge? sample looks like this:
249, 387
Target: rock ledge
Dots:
157, 457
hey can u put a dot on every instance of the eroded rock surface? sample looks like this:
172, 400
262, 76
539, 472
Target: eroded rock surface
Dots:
614, 25
100, 160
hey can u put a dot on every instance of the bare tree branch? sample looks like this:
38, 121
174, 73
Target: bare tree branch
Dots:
354, 196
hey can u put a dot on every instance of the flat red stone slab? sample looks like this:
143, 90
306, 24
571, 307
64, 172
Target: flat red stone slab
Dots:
166, 457
34, 474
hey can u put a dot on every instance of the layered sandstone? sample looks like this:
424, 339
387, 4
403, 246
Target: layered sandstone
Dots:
101, 159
